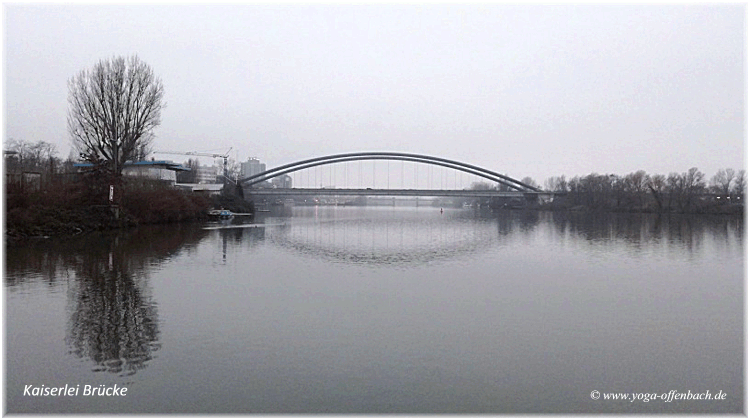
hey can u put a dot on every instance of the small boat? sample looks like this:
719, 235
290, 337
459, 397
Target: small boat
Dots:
221, 214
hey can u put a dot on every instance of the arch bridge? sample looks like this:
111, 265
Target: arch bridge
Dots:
515, 187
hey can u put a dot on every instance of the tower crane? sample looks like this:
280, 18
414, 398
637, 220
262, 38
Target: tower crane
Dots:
213, 155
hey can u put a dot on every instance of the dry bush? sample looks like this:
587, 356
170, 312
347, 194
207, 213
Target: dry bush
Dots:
154, 203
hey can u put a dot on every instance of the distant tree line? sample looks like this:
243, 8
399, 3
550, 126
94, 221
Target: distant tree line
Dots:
685, 192
22, 156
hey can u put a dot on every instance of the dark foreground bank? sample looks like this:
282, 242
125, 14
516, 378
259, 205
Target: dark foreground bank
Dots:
77, 208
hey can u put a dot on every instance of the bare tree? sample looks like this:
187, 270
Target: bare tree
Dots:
575, 188
635, 184
553, 183
21, 156
657, 184
675, 188
694, 180
597, 189
480, 185
691, 184
530, 181
113, 110
740, 183
722, 181
32, 157
234, 169
618, 188
556, 183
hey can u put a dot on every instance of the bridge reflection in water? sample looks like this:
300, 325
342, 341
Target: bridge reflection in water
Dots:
400, 237
393, 236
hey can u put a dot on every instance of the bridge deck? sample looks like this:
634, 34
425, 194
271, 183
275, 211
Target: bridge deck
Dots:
388, 192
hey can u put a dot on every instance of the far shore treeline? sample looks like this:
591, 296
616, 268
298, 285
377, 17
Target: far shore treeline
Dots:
686, 192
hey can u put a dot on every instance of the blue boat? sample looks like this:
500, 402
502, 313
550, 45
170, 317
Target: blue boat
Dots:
221, 214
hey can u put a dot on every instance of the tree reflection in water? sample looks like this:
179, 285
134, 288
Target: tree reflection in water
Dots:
113, 320
114, 323
636, 229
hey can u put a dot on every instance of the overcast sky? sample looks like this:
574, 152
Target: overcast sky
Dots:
522, 90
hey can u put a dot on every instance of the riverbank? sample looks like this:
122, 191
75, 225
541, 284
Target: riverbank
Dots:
72, 209
75, 209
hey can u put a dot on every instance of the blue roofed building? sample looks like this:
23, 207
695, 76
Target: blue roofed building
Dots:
163, 170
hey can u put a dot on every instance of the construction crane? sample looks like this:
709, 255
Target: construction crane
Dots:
213, 155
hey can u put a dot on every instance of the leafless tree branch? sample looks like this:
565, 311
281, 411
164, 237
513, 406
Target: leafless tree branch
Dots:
113, 110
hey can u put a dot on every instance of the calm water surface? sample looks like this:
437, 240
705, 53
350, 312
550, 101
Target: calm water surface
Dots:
382, 310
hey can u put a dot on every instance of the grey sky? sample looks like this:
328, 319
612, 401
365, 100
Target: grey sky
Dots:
524, 90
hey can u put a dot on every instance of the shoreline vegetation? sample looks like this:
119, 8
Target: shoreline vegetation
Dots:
70, 209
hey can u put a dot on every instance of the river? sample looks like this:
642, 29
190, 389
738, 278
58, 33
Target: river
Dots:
382, 310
